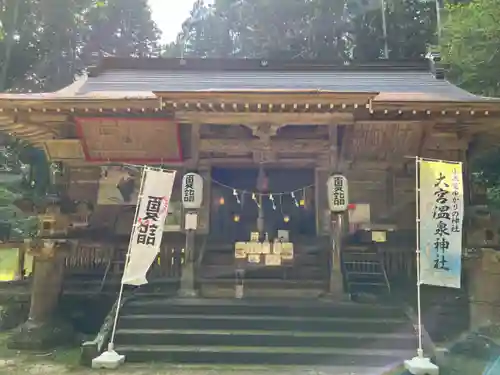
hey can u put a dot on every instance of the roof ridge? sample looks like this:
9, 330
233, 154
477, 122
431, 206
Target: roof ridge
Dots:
216, 64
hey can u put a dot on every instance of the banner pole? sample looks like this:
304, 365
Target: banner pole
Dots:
420, 351
111, 343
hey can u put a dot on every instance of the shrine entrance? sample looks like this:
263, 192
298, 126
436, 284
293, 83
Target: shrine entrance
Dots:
263, 231
263, 201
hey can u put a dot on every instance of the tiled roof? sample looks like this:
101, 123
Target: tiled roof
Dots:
410, 83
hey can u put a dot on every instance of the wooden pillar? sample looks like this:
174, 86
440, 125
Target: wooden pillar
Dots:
204, 214
323, 214
336, 282
192, 253
330, 227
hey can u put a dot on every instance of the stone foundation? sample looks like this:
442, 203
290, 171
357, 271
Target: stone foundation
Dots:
484, 288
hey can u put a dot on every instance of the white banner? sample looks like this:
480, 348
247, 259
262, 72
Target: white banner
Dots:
147, 232
441, 220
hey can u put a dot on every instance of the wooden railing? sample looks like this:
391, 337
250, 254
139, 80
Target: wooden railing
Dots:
399, 263
97, 261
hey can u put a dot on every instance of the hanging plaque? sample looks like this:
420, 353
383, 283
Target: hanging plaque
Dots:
192, 191
338, 195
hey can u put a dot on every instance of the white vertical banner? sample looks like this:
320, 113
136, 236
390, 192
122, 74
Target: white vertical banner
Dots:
441, 220
147, 230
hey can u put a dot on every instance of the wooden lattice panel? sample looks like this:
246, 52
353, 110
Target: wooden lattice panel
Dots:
130, 140
64, 150
382, 141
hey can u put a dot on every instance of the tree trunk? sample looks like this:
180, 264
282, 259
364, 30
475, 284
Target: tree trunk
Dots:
9, 35
44, 330
46, 288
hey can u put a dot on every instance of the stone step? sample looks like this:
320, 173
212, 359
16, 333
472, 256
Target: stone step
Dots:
263, 322
190, 337
282, 308
264, 355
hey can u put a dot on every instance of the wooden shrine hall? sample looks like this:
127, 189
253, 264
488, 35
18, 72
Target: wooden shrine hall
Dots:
265, 136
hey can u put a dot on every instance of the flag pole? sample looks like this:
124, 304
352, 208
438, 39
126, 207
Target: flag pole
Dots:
420, 352
419, 365
111, 359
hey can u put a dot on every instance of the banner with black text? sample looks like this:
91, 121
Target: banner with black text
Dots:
147, 230
441, 214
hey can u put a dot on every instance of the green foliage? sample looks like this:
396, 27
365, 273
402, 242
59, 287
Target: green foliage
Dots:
15, 182
44, 44
411, 26
469, 45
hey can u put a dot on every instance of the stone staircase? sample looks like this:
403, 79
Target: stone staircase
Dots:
280, 332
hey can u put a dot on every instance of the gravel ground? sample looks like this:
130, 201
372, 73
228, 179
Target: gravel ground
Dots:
18, 367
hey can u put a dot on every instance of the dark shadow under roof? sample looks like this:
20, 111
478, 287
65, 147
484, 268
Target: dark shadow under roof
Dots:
411, 80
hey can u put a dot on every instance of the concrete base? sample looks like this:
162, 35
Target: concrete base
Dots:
421, 366
110, 360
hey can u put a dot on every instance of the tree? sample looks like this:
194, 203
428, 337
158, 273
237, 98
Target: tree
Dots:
44, 44
469, 45
120, 28
267, 29
411, 27
18, 41
16, 180
316, 29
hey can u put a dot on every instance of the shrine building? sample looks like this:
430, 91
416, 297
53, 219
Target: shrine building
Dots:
265, 136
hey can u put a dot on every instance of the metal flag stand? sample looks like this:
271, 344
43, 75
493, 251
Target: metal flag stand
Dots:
419, 365
110, 359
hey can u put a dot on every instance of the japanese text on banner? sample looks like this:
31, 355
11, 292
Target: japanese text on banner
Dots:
147, 233
441, 218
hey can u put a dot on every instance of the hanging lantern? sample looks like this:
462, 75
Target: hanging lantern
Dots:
192, 191
338, 193
222, 201
286, 219
236, 218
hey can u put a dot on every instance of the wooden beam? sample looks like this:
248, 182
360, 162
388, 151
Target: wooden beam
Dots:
238, 147
268, 96
80, 104
251, 118
239, 162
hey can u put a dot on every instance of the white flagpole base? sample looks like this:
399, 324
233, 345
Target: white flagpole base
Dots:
109, 360
421, 366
